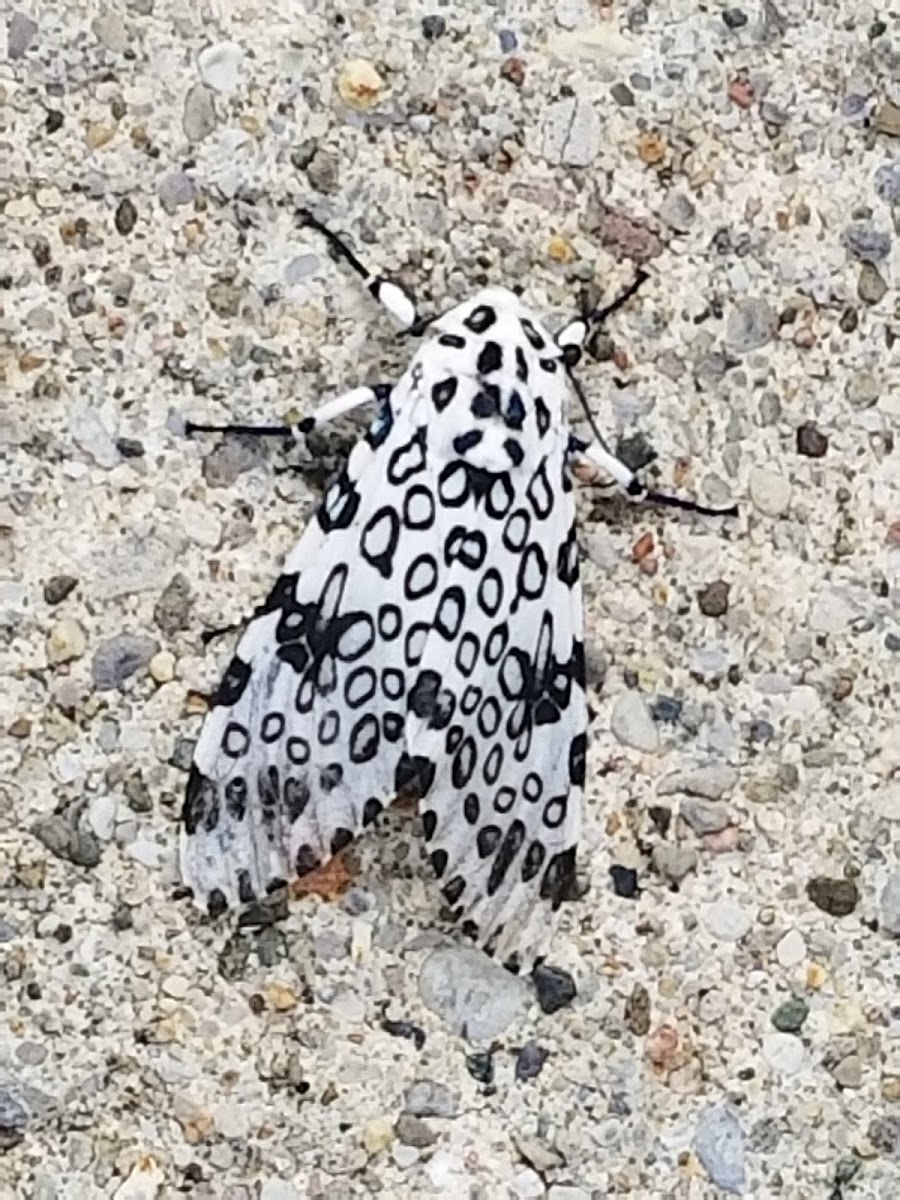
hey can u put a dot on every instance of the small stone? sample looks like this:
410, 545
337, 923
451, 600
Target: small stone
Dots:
751, 324
770, 492
871, 288
480, 1066
428, 1098
704, 816
126, 216
761, 730
172, 610
734, 18
791, 949
220, 66
666, 709
530, 1061
887, 181
270, 1189
162, 667
513, 69
175, 190
623, 96
887, 119
198, 119
378, 1134
67, 641
712, 782
224, 298
58, 587
867, 245
637, 1011
625, 881
413, 1131
81, 300
434, 27
555, 988
632, 724
118, 658
20, 32
727, 920
811, 442
889, 905
789, 1017
571, 132
863, 389
678, 212
837, 897
713, 599
324, 171
719, 1145
673, 863
14, 1116
63, 835
232, 457
783, 1052
359, 84
848, 1072
508, 41
130, 447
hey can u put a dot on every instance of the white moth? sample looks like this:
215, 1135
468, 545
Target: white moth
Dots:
424, 639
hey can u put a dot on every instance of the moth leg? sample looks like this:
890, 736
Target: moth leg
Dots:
388, 293
326, 412
571, 337
583, 459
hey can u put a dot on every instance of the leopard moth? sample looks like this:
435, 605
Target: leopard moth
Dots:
424, 638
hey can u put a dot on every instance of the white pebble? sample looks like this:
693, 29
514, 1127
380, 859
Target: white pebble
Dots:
221, 66
791, 949
727, 920
102, 816
783, 1052
162, 666
632, 724
770, 492
175, 986
889, 904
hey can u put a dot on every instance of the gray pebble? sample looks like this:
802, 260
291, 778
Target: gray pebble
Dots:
871, 288
884, 1134
172, 610
713, 599
31, 1054
81, 300
673, 863
198, 118
678, 212
704, 816
324, 171
790, 1016
555, 987
119, 657
474, 995
751, 324
224, 298
300, 267
889, 905
64, 837
571, 133
20, 31
632, 724
711, 782
866, 244
734, 18
13, 1119
183, 753
8, 931
428, 1098
175, 190
508, 41
530, 1061
413, 1131
719, 1145
863, 389
623, 95
811, 442
887, 181
231, 458
848, 1072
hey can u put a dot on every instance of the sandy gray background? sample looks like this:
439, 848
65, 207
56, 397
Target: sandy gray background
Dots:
737, 1022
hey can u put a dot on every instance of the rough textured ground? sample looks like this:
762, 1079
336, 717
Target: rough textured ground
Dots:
737, 1026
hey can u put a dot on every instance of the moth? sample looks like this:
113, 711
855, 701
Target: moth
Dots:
425, 637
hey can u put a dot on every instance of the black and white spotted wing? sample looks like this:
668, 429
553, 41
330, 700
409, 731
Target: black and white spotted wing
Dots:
424, 639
